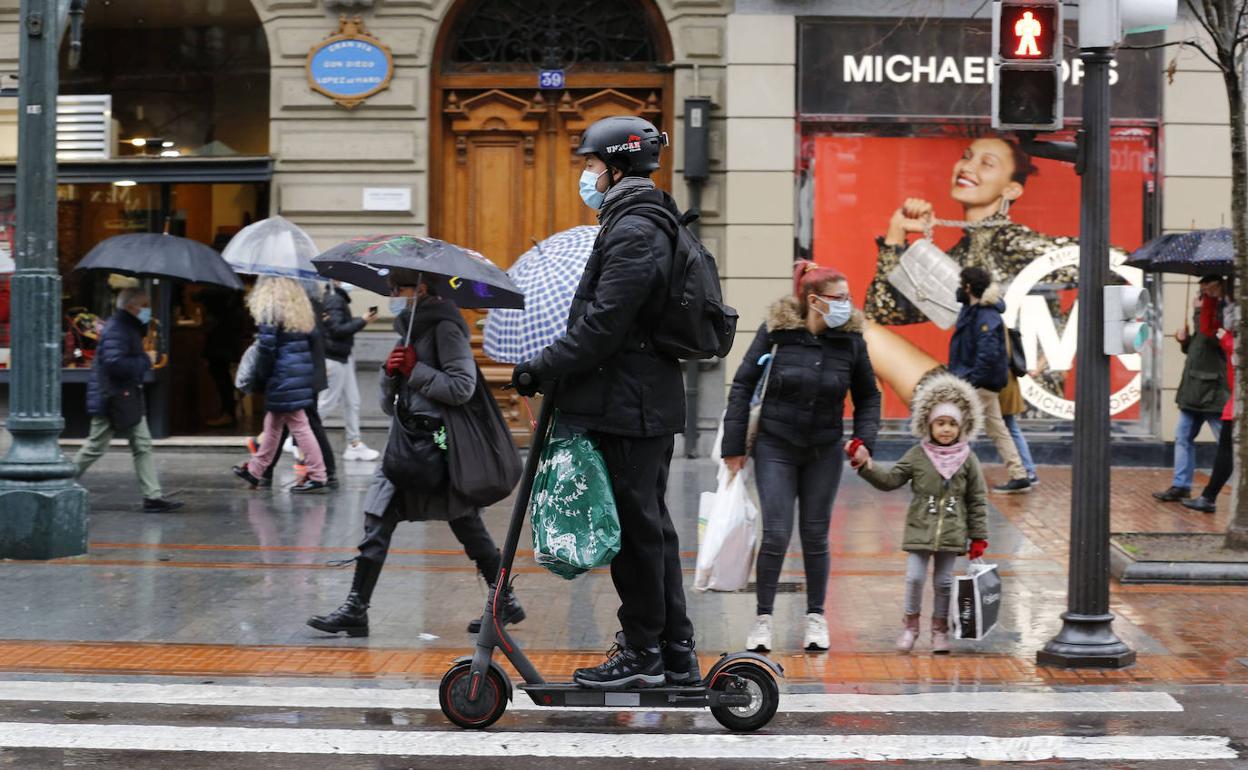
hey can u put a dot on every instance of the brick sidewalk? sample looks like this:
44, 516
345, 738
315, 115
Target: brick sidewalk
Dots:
223, 590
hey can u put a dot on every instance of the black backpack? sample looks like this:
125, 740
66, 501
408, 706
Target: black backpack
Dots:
695, 324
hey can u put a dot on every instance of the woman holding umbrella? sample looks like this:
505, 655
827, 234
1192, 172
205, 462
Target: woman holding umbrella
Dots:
431, 371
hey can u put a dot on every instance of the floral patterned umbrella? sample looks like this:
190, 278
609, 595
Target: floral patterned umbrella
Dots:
372, 262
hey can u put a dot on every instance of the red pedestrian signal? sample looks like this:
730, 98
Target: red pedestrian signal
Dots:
1027, 65
1027, 32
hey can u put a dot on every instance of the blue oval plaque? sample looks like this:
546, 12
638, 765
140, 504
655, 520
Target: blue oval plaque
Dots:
351, 66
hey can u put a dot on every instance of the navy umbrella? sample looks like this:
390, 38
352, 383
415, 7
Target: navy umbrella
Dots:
1199, 252
161, 256
468, 279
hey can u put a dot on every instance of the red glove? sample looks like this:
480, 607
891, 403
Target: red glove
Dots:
401, 362
851, 448
977, 549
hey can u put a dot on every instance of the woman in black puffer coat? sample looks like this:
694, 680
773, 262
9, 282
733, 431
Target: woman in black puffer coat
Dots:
285, 324
818, 358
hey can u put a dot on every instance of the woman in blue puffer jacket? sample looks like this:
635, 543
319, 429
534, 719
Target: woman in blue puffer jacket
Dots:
285, 322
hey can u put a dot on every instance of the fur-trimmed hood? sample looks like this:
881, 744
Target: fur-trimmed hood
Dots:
993, 296
786, 314
943, 388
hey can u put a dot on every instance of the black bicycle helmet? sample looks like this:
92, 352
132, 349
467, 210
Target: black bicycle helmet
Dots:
625, 142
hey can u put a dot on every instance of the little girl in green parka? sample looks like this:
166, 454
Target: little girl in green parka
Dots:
950, 502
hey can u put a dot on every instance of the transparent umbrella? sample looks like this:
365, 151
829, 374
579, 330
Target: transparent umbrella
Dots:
273, 246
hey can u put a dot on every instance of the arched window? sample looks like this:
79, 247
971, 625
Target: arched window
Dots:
582, 35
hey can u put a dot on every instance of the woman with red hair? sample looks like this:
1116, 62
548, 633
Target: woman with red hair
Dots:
806, 358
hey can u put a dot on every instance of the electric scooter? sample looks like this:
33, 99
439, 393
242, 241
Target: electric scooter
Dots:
740, 689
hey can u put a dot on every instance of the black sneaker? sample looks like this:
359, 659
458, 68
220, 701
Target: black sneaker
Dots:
625, 667
1013, 487
680, 663
1173, 494
160, 505
1202, 504
331, 481
1034, 479
309, 487
244, 474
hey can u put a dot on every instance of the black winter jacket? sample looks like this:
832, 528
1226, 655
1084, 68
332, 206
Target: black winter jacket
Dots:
810, 378
288, 356
120, 361
977, 350
612, 380
339, 325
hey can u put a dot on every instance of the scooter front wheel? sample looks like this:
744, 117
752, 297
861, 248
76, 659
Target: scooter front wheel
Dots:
764, 697
453, 696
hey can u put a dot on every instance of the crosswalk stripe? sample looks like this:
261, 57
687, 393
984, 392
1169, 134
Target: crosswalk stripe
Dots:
427, 698
881, 748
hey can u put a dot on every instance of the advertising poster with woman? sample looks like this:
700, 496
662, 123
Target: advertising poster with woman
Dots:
1016, 216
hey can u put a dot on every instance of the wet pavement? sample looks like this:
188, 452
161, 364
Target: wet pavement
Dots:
220, 592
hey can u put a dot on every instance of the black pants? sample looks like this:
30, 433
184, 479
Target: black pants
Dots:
219, 370
469, 530
809, 477
322, 440
1223, 462
646, 572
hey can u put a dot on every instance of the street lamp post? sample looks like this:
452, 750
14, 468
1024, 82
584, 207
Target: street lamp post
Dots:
1087, 637
43, 512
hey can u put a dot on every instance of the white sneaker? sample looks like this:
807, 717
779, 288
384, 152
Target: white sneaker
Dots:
358, 450
760, 635
816, 632
289, 446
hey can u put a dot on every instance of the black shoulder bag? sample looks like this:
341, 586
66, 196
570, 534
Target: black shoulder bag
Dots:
482, 460
125, 408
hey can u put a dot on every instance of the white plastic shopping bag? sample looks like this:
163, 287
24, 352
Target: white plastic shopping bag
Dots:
977, 601
727, 539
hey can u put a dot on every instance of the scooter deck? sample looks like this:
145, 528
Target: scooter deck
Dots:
695, 697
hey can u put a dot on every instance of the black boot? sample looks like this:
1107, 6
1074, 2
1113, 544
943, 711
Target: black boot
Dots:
509, 611
352, 616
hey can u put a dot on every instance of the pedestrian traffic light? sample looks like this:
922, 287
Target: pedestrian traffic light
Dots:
1125, 329
1027, 65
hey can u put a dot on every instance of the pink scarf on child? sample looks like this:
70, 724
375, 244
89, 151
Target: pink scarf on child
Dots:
947, 459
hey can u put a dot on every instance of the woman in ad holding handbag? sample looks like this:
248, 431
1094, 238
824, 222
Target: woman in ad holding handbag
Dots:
818, 358
422, 384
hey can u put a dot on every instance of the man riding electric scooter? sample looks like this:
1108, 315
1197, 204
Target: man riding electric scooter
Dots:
629, 397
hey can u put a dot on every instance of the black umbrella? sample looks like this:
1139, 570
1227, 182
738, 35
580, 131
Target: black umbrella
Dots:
161, 255
1200, 252
469, 279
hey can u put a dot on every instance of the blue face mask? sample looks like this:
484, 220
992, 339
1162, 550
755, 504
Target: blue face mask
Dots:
145, 315
589, 189
398, 304
838, 313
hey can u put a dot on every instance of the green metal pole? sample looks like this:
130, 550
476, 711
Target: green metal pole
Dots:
43, 512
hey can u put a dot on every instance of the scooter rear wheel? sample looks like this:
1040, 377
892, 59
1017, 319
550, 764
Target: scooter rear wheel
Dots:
478, 715
764, 698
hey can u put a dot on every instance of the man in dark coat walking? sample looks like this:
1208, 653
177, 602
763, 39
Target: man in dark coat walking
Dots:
977, 354
628, 397
120, 365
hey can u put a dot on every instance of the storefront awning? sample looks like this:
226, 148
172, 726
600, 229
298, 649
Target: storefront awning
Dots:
157, 170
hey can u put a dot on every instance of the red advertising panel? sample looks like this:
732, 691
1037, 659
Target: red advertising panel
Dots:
860, 180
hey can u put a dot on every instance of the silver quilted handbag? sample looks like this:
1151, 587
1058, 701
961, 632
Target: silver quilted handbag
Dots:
929, 278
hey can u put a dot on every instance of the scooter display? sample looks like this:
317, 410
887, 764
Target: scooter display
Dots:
740, 689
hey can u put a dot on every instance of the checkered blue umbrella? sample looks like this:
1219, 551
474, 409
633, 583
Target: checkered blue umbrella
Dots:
548, 273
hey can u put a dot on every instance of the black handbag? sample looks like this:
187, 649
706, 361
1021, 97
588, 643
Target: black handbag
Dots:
482, 460
412, 460
1018, 359
125, 408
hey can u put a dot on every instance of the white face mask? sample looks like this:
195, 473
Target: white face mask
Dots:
589, 189
838, 312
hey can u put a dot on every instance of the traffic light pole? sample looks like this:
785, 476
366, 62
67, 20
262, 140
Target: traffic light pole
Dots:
1087, 638
43, 512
